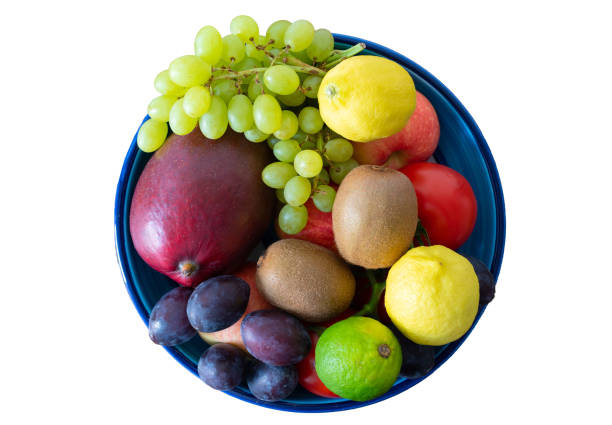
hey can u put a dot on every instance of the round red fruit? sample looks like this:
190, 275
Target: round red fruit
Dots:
308, 377
446, 202
318, 229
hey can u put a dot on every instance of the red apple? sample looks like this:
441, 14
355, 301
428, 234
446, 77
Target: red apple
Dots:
232, 335
417, 141
318, 228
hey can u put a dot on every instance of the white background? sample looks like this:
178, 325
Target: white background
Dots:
75, 81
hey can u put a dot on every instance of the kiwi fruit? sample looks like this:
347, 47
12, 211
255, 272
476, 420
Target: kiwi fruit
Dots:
374, 216
304, 279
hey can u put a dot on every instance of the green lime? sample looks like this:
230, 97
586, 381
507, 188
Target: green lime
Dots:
358, 358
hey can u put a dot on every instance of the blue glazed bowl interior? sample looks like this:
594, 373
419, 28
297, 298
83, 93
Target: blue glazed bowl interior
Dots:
461, 146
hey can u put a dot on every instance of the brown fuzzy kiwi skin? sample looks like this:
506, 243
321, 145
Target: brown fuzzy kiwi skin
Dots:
304, 279
374, 216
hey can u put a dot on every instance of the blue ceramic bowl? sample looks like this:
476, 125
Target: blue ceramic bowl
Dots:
461, 147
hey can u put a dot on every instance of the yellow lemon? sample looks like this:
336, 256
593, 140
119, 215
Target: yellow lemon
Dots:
366, 98
432, 295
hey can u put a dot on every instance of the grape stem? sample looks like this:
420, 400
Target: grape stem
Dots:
291, 61
231, 75
320, 146
278, 55
295, 63
370, 308
315, 183
336, 58
308, 69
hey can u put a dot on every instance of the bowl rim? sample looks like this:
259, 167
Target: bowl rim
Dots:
342, 404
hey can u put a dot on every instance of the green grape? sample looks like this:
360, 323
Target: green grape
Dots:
301, 137
257, 87
306, 141
323, 177
233, 49
253, 52
299, 35
273, 52
308, 145
244, 89
159, 108
246, 63
292, 220
310, 120
311, 86
289, 126
267, 113
180, 122
276, 32
281, 79
280, 195
214, 122
286, 150
196, 101
294, 99
165, 85
244, 27
240, 113
255, 136
152, 135
297, 191
225, 89
303, 56
339, 150
308, 163
272, 141
208, 45
219, 71
323, 197
340, 169
331, 134
277, 174
189, 71
321, 46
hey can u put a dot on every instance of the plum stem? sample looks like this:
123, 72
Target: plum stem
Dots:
421, 236
370, 308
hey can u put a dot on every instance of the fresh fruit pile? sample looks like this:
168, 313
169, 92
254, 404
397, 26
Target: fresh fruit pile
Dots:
267, 88
364, 282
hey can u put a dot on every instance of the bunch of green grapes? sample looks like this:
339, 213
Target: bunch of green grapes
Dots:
307, 161
241, 80
265, 87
